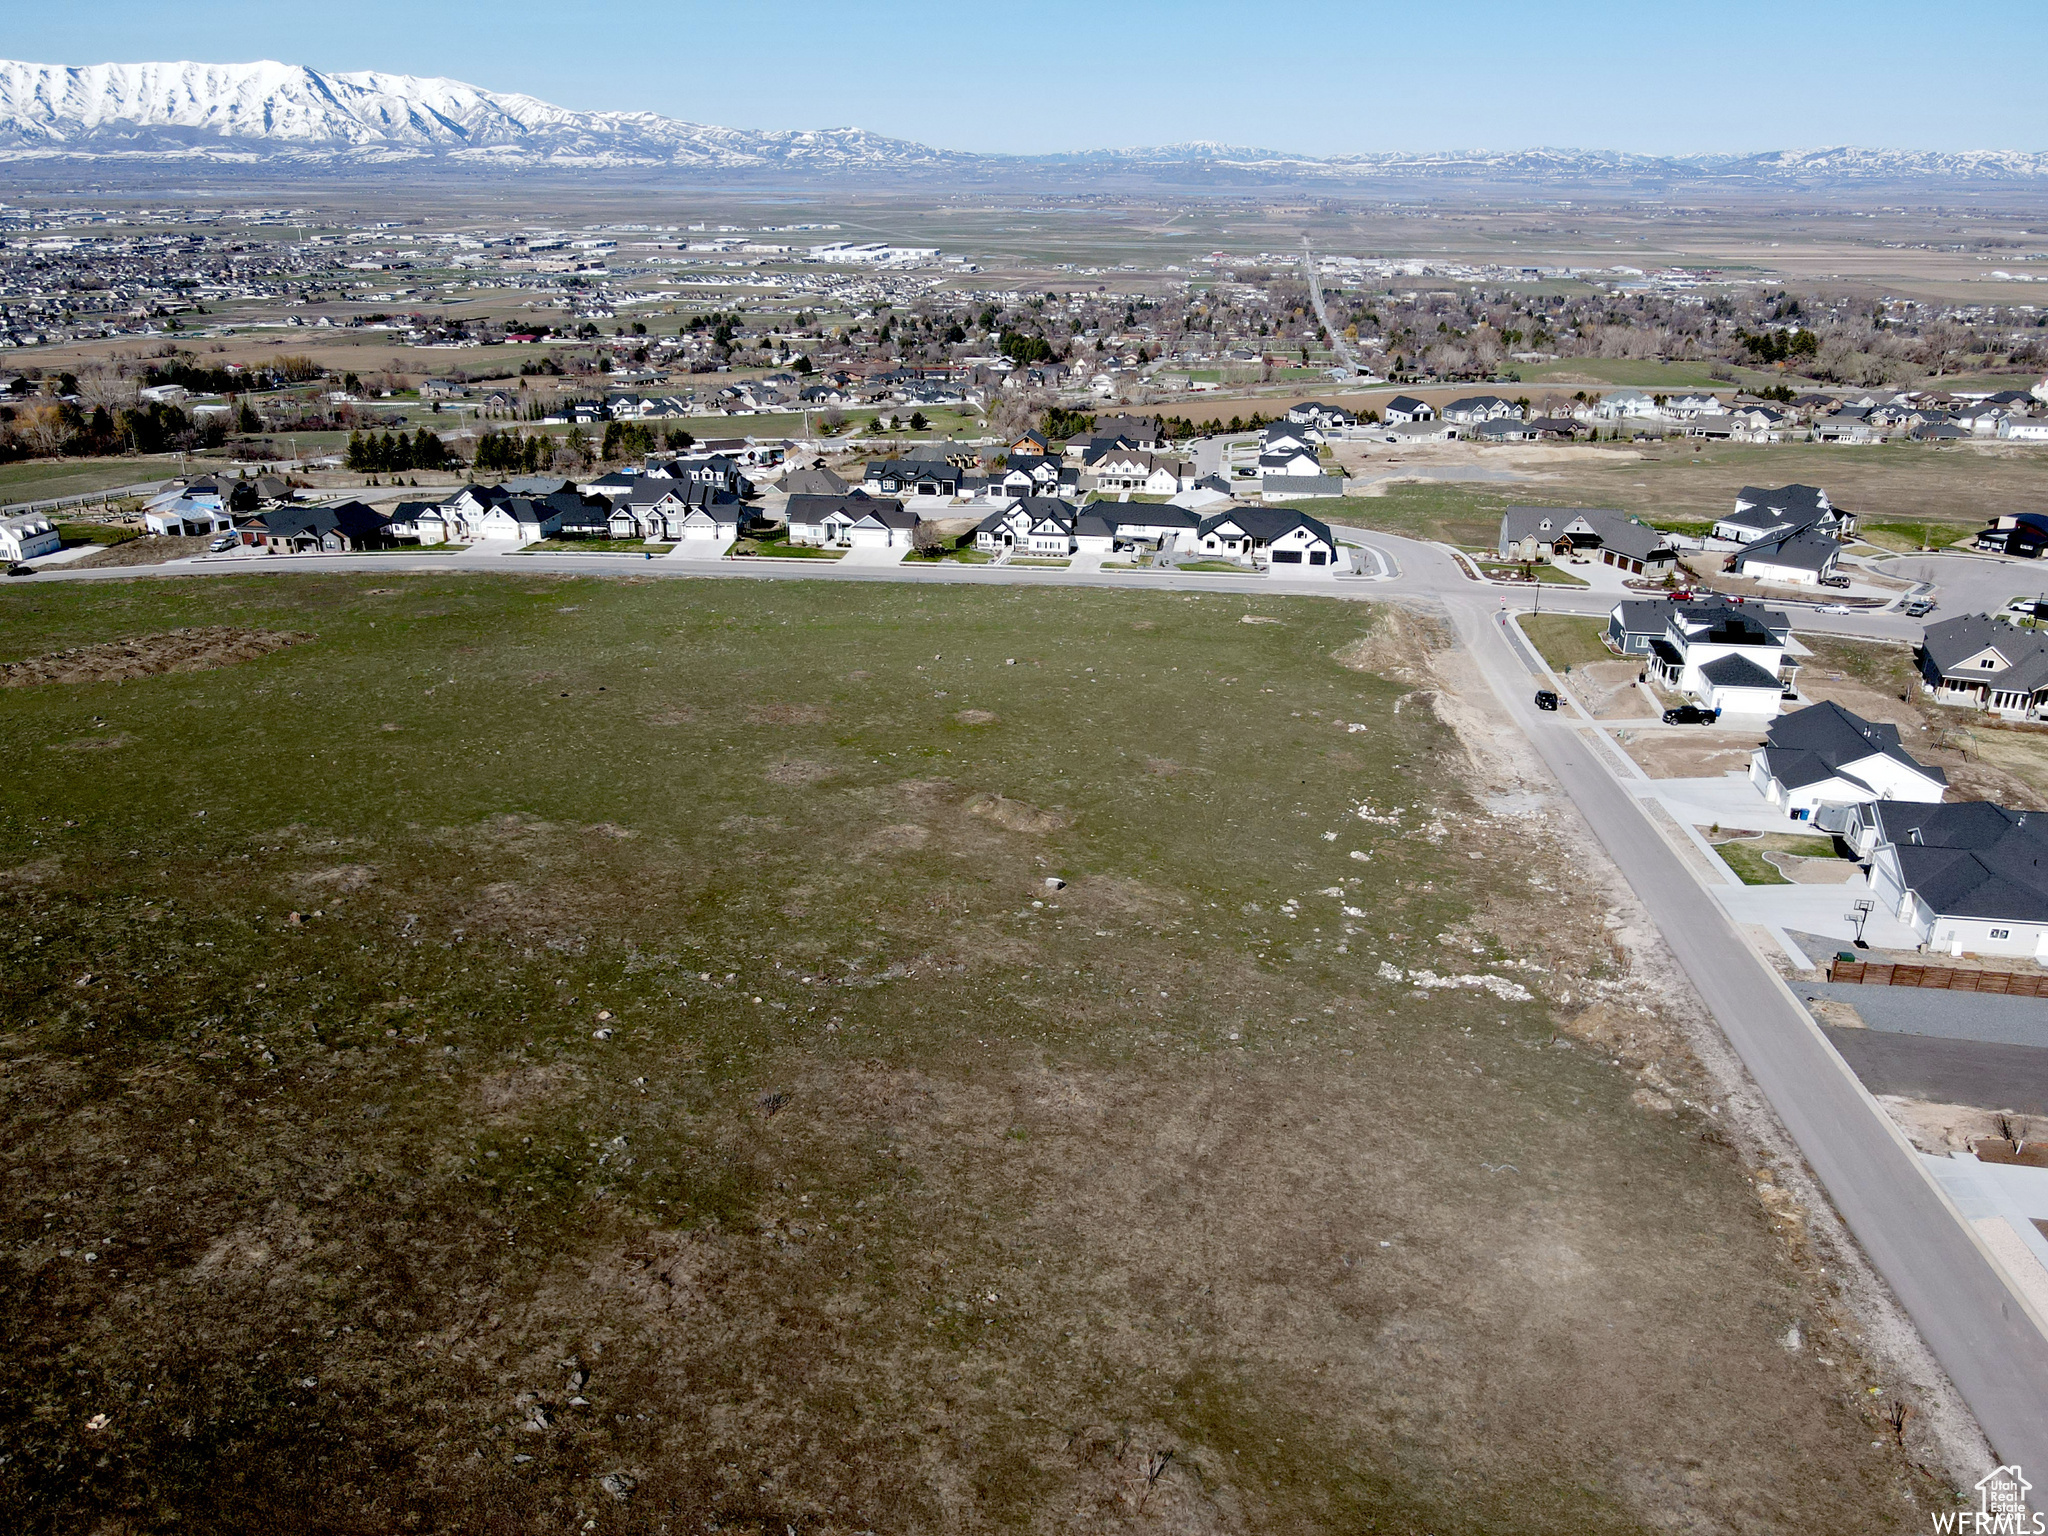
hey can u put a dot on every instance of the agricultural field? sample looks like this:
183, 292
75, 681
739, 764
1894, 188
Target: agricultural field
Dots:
513, 1052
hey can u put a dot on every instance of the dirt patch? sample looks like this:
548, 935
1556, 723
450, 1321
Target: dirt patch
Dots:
1943, 1129
119, 661
1609, 692
975, 717
1397, 647
33, 873
787, 714
340, 878
900, 838
796, 772
149, 550
678, 714
1836, 1015
104, 743
1017, 816
503, 1093
1808, 871
1690, 752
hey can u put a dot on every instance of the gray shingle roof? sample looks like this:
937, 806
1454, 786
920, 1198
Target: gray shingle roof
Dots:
1953, 641
1737, 672
1835, 738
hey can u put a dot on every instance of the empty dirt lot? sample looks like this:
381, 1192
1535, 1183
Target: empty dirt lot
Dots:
572, 1053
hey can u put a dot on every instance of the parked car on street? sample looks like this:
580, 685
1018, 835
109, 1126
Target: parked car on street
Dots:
1545, 699
18, 569
1690, 714
1919, 607
1836, 608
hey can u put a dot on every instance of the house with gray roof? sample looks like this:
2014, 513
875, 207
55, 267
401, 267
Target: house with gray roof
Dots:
1802, 559
1473, 409
1406, 408
1636, 624
1825, 755
1544, 533
1723, 656
1973, 661
1266, 536
1763, 512
1969, 879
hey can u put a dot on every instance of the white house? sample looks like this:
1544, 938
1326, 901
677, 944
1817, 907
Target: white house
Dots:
1824, 755
1802, 559
882, 525
28, 537
1727, 659
1120, 469
1289, 461
1473, 409
517, 520
1628, 405
1265, 536
1406, 408
823, 520
1969, 879
1036, 525
2015, 429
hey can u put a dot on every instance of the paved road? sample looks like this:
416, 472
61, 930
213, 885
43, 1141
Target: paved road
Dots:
1971, 1319
1969, 1316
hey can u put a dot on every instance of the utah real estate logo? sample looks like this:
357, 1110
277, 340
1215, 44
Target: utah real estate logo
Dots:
2001, 1509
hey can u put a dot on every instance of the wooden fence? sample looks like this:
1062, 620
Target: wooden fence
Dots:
1940, 977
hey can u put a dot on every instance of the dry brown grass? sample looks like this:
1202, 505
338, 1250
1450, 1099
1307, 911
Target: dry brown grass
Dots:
180, 650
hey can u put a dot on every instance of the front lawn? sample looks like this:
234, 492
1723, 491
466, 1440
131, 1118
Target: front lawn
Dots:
1566, 640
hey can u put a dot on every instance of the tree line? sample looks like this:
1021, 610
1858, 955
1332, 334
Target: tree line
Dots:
385, 453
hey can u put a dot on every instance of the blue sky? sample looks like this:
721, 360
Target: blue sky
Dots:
1314, 78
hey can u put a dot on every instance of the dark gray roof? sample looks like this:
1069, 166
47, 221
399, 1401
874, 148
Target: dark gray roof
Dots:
811, 509
1966, 824
1787, 500
888, 514
1953, 641
812, 482
1801, 551
1652, 615
1737, 672
1796, 770
1268, 523
2002, 880
1835, 738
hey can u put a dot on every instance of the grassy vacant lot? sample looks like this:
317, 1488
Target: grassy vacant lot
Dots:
1456, 514
527, 1031
42, 479
1908, 483
1566, 640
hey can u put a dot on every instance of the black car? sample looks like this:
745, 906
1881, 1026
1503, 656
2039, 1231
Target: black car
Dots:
18, 569
1545, 699
1691, 714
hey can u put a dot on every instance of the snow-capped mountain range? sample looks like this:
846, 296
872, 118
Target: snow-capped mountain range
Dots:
294, 118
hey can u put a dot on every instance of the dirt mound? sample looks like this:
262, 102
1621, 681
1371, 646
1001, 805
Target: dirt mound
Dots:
1397, 647
975, 716
1017, 816
145, 551
177, 650
786, 714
